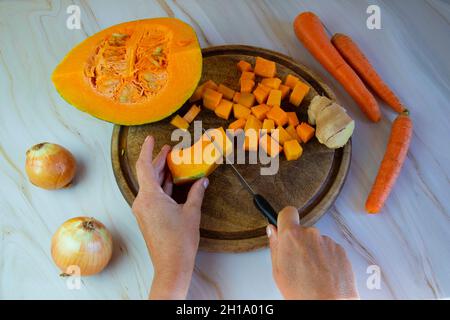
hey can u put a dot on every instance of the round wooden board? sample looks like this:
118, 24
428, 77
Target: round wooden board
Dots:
230, 222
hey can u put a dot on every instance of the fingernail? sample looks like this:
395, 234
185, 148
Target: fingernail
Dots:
205, 183
269, 231
146, 139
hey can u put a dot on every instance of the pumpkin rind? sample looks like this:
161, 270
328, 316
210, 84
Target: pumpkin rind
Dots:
182, 72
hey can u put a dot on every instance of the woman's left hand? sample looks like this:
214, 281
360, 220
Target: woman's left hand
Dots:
171, 230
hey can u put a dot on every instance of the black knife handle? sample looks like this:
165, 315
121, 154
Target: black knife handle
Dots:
266, 209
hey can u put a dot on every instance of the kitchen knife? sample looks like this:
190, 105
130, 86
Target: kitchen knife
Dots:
260, 202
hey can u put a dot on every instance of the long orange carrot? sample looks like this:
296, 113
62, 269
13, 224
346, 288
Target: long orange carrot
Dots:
392, 163
358, 61
312, 34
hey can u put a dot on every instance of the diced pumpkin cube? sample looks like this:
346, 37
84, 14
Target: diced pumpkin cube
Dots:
291, 81
236, 97
198, 93
270, 145
260, 111
299, 92
292, 119
247, 85
274, 98
284, 91
241, 112
223, 110
268, 125
281, 135
246, 75
246, 99
293, 133
252, 124
192, 113
305, 131
251, 143
261, 93
221, 141
278, 115
211, 85
292, 150
226, 92
211, 99
273, 83
244, 66
238, 124
265, 68
179, 122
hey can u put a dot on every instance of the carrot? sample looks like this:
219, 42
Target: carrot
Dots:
312, 34
358, 61
392, 163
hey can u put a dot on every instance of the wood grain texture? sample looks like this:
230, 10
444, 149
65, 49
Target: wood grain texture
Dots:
230, 222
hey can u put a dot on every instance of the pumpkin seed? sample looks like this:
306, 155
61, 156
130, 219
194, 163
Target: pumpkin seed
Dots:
119, 35
157, 51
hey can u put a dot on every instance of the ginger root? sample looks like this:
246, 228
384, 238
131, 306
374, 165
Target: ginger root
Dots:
334, 127
317, 104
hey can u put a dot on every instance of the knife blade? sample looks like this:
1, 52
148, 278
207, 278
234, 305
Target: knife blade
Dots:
259, 201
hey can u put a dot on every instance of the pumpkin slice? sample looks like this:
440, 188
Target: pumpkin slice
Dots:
244, 66
238, 124
192, 113
241, 112
292, 119
274, 98
278, 115
180, 122
269, 125
261, 93
270, 145
132, 73
224, 108
292, 150
305, 131
201, 159
226, 92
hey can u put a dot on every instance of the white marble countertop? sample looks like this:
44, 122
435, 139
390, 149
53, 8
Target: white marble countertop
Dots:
409, 241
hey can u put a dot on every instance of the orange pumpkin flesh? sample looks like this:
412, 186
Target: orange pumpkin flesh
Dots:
201, 159
132, 73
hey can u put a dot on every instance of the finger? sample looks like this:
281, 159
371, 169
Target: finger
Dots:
159, 163
168, 184
144, 168
196, 194
273, 243
288, 218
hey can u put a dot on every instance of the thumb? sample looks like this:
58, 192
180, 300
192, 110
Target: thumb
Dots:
195, 196
272, 234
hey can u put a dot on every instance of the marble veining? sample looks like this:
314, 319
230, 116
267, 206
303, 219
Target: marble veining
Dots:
409, 241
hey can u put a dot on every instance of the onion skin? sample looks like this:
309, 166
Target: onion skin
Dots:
50, 166
84, 242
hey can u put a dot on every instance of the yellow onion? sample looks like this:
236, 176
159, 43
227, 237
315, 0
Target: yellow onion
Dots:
50, 166
82, 243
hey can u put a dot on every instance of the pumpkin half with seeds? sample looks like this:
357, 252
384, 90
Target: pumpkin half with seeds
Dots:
132, 73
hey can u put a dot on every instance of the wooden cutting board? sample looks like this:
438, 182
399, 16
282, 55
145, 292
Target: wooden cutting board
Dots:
230, 222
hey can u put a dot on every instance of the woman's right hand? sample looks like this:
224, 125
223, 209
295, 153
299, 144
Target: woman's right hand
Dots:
307, 265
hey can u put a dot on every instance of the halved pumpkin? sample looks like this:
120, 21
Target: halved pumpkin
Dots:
201, 159
132, 73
